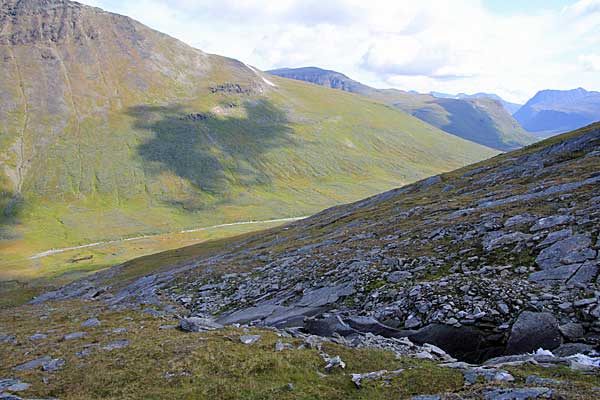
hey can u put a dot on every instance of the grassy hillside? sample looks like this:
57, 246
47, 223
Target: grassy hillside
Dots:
109, 129
481, 120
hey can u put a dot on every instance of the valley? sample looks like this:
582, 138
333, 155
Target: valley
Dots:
177, 224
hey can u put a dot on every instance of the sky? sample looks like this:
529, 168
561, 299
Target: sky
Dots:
513, 48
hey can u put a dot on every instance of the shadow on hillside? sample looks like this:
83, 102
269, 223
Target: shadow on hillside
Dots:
213, 153
11, 205
471, 123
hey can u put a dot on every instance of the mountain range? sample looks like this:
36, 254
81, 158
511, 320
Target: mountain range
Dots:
481, 120
551, 112
511, 108
110, 129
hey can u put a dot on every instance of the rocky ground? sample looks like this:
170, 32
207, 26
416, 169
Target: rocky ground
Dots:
489, 263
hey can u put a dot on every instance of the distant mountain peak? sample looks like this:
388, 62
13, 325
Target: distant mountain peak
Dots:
553, 111
511, 108
481, 118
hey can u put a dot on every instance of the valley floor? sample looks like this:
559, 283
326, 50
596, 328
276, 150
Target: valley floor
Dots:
21, 279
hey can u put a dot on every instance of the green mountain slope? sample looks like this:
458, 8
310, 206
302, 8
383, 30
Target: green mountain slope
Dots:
481, 120
511, 108
111, 129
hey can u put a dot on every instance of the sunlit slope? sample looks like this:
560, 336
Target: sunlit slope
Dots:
111, 129
481, 120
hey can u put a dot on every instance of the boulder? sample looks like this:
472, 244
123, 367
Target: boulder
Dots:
569, 349
91, 323
33, 364
197, 324
249, 314
572, 250
53, 365
519, 220
412, 322
550, 222
250, 339
572, 330
74, 335
561, 273
554, 237
533, 330
13, 385
117, 344
585, 274
325, 295
327, 326
498, 239
371, 325
290, 317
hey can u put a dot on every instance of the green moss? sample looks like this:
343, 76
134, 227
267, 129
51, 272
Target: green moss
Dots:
213, 365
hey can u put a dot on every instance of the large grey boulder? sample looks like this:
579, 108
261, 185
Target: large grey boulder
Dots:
550, 222
533, 330
561, 273
519, 220
585, 274
325, 295
197, 324
249, 314
572, 250
53, 365
13, 385
33, 364
498, 239
250, 339
570, 349
572, 330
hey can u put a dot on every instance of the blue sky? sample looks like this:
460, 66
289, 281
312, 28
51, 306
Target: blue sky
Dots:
512, 48
508, 7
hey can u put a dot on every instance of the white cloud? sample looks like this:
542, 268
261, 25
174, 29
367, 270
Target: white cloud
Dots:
441, 45
590, 62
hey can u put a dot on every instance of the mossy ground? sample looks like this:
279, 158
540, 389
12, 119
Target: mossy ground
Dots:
168, 363
212, 365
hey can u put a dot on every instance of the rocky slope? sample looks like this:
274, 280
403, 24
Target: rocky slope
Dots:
551, 112
494, 259
479, 119
110, 129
